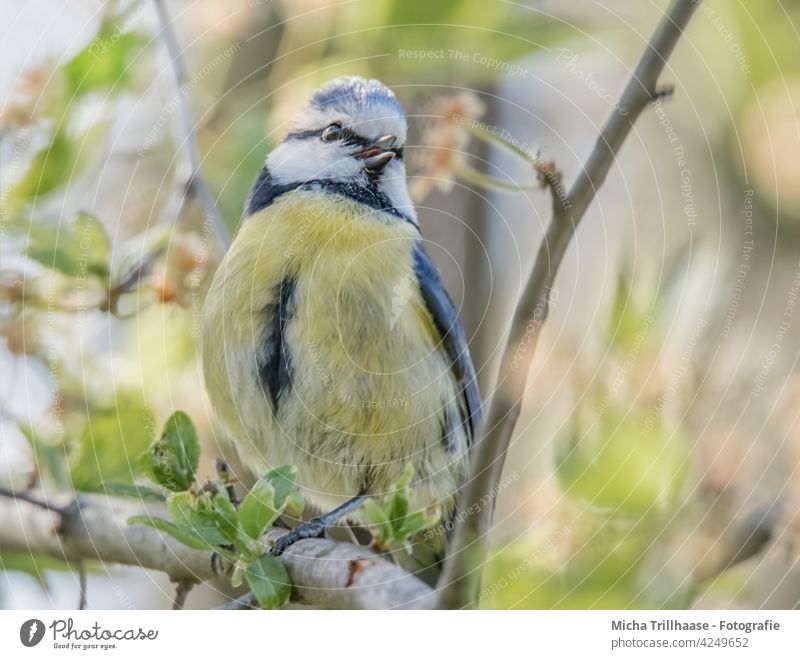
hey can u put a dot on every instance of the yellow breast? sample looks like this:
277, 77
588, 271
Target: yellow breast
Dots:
368, 383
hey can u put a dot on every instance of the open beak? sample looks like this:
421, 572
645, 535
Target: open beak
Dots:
377, 156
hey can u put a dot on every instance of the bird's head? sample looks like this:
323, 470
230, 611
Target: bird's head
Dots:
350, 136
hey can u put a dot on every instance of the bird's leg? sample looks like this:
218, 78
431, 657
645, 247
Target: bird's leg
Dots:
316, 527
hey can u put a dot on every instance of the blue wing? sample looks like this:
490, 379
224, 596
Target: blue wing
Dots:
454, 340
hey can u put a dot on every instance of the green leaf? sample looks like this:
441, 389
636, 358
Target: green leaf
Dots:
405, 480
203, 525
374, 512
226, 516
49, 168
49, 458
74, 248
268, 498
257, 511
105, 62
396, 503
397, 507
175, 456
417, 522
179, 534
294, 505
269, 581
36, 565
106, 450
380, 526
282, 479
133, 491
394, 522
237, 577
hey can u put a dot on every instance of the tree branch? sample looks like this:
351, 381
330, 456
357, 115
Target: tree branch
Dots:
324, 573
194, 183
460, 579
182, 590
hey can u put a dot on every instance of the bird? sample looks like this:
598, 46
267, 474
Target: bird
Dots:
329, 340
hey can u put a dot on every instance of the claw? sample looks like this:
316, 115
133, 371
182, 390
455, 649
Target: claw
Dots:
316, 527
312, 529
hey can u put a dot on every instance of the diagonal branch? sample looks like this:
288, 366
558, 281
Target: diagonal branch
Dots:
324, 573
194, 184
460, 579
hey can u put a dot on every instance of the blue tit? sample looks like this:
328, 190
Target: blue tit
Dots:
329, 342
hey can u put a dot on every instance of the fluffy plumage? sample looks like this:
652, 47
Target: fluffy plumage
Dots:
329, 340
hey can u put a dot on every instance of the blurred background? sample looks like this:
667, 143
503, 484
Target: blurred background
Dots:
656, 460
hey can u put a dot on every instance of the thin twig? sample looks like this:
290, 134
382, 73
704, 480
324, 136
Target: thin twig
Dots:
182, 590
544, 170
194, 183
29, 498
82, 586
460, 578
351, 533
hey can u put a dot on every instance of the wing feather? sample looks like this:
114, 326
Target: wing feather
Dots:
453, 338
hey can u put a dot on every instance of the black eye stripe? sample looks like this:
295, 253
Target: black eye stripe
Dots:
348, 136
304, 134
351, 138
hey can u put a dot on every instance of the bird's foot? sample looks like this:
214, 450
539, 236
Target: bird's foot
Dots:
312, 529
316, 527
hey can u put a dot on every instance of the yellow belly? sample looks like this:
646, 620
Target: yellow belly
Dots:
369, 386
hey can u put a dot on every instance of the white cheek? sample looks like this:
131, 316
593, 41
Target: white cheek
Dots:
393, 184
311, 159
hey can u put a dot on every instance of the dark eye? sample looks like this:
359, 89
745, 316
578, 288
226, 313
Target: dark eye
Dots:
332, 132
